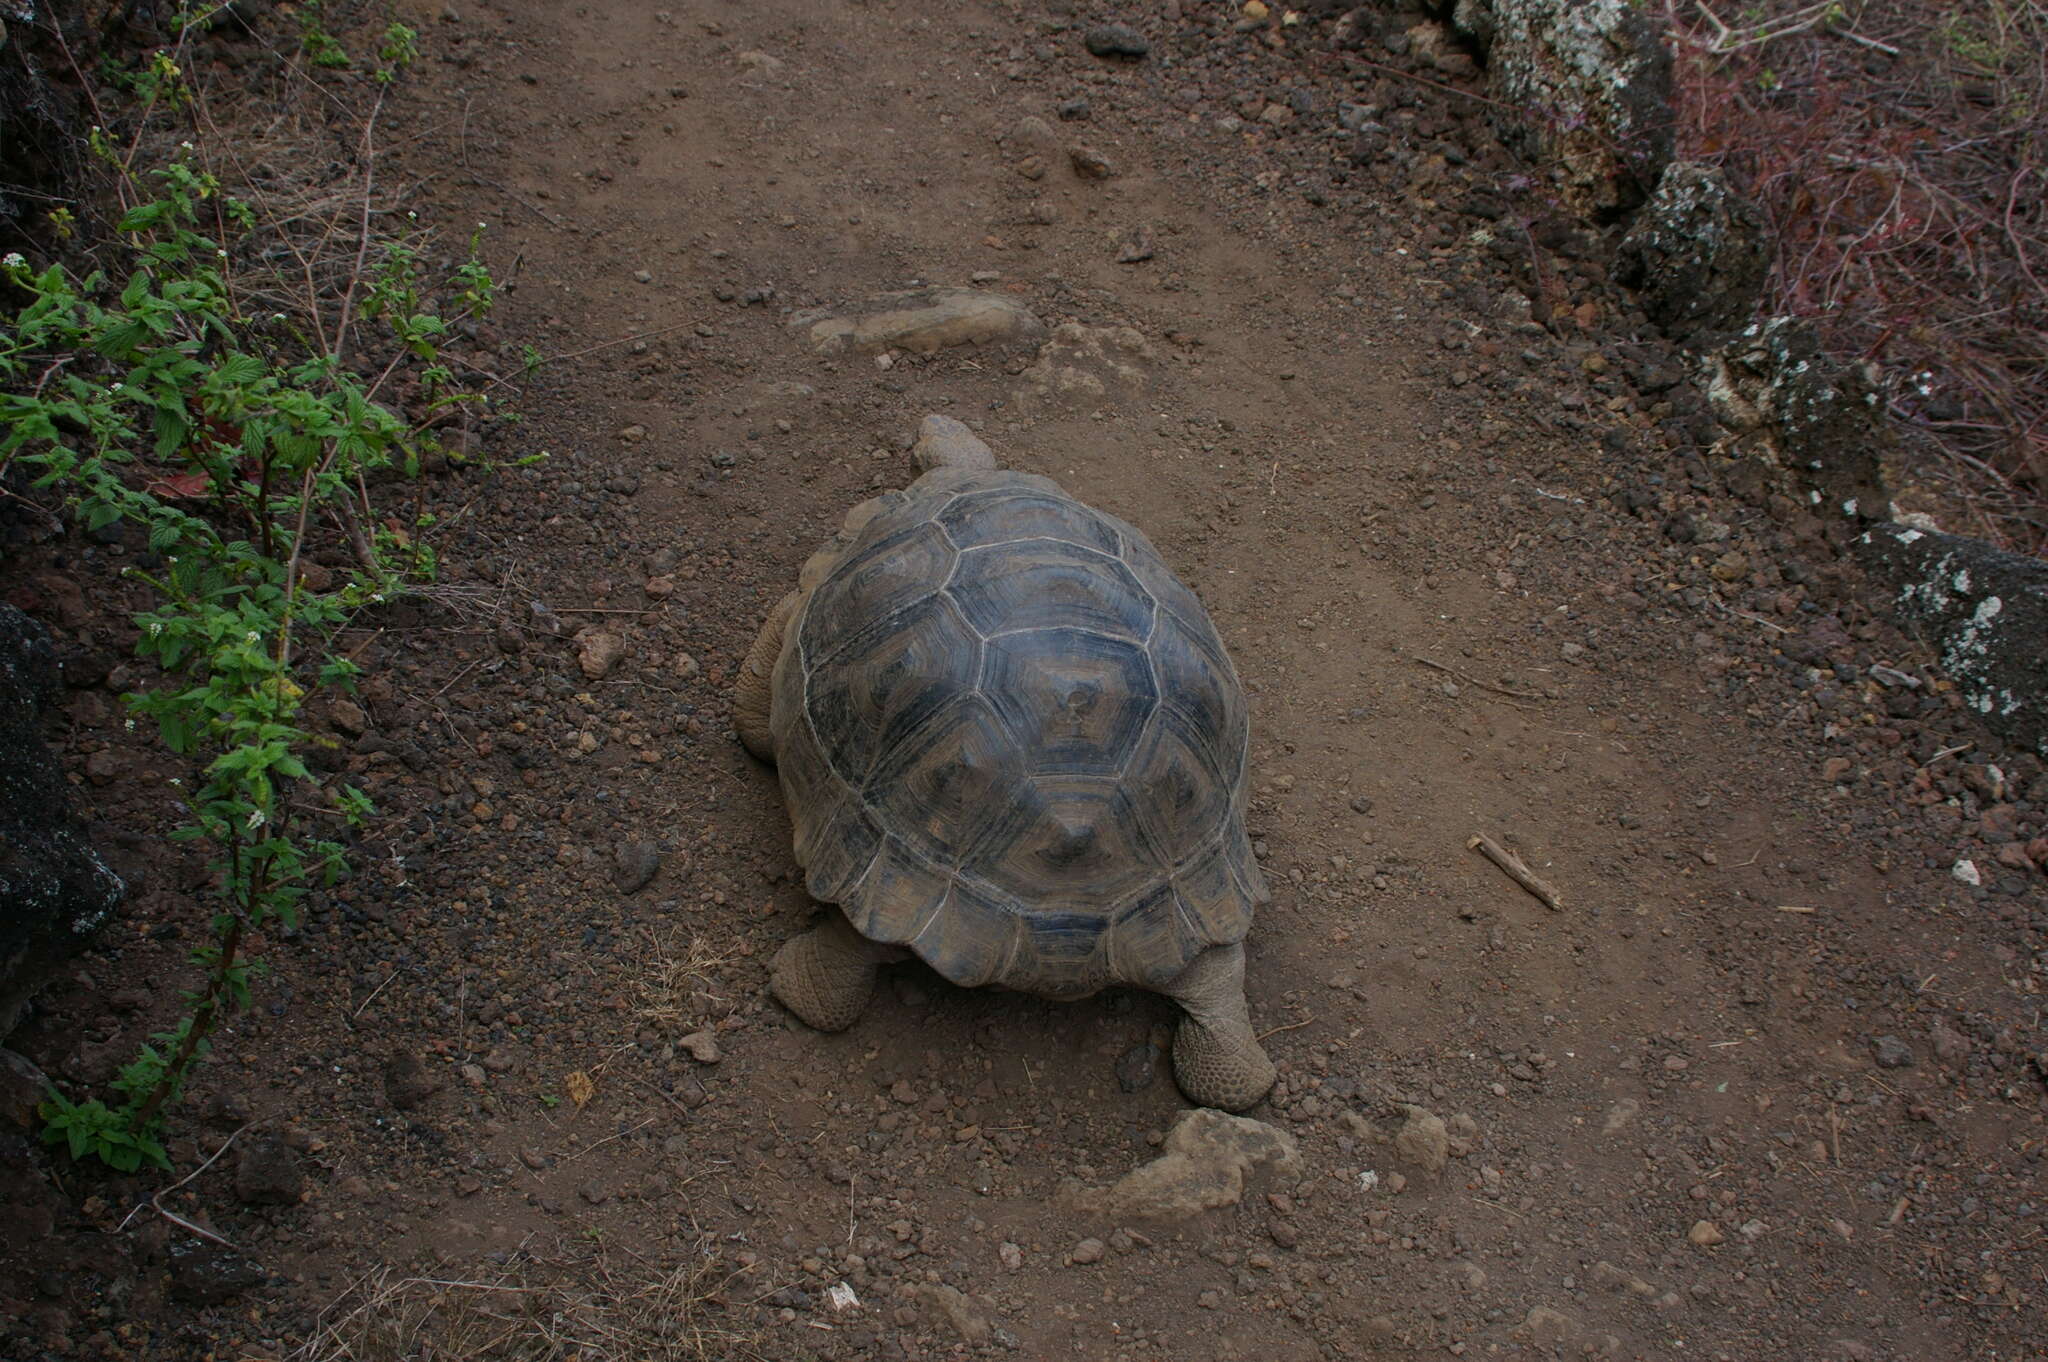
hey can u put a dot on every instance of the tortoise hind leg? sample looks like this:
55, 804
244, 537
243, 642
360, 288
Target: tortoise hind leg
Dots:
826, 974
753, 690
1216, 1057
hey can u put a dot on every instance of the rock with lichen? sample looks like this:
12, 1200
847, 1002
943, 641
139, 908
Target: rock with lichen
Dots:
1816, 422
1696, 254
1582, 86
1986, 613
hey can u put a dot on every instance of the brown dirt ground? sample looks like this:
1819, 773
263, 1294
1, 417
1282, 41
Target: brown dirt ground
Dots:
1476, 574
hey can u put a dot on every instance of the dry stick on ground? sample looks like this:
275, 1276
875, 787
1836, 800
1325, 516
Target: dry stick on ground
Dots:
156, 1203
1516, 870
1291, 1026
1475, 681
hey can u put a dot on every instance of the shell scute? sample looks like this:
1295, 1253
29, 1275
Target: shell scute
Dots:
1049, 584
1075, 700
994, 517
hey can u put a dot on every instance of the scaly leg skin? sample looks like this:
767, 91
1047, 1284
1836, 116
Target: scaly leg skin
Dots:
753, 690
1216, 1057
826, 975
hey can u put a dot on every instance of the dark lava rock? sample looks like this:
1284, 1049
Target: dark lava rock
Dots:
1892, 1053
209, 1274
22, 1089
1116, 40
1986, 613
407, 1082
1585, 88
1817, 421
55, 890
634, 864
268, 1174
1696, 253
1137, 1066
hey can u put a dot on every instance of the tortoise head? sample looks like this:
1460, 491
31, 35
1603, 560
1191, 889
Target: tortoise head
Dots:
943, 442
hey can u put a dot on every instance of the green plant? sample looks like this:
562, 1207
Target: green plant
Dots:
153, 400
400, 49
322, 48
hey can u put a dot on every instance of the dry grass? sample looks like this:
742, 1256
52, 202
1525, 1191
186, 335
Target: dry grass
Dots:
589, 1311
1900, 153
680, 987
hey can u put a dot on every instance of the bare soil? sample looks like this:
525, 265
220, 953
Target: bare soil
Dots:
1767, 1085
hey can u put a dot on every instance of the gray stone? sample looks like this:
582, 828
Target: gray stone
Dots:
950, 1306
55, 890
1547, 1327
1950, 1045
1136, 1067
1422, 1139
1986, 613
922, 321
1892, 1053
1116, 40
1581, 85
634, 865
1209, 1158
1696, 254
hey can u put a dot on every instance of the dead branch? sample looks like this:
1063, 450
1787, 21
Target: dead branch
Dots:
1516, 870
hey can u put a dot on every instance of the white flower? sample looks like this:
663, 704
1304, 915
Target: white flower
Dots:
256, 819
185, 145
14, 261
251, 636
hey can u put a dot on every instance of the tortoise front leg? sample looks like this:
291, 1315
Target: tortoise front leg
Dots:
753, 690
826, 974
1216, 1057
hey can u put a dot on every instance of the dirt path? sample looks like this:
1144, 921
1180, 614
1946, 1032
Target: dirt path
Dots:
1668, 1132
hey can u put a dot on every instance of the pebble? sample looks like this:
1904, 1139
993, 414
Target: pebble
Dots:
268, 1174
1090, 164
1087, 1251
1705, 1233
634, 865
1137, 1066
1892, 1053
1116, 40
597, 652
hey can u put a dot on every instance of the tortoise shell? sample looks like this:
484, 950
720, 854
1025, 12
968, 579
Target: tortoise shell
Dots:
1011, 740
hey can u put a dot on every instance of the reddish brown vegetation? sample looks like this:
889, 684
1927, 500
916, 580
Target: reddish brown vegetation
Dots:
1900, 152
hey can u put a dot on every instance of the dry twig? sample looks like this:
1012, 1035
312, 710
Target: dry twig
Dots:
1516, 870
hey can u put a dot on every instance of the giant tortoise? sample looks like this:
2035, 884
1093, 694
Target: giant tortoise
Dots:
1012, 743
